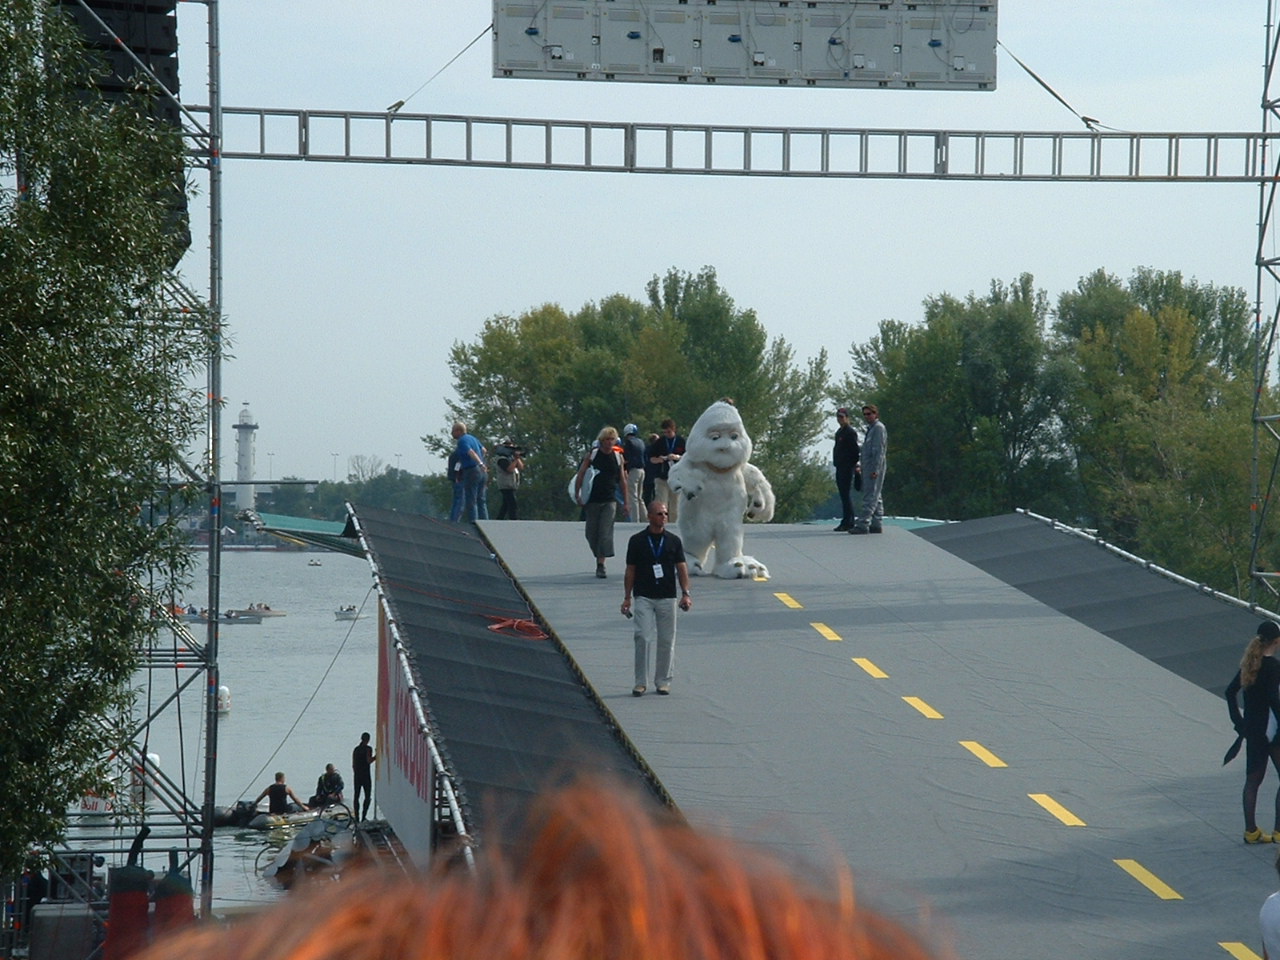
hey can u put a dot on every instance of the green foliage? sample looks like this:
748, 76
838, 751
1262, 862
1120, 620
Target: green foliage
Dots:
1161, 426
93, 404
1132, 415
549, 380
387, 489
970, 399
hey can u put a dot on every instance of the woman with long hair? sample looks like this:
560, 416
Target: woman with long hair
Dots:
1259, 680
601, 505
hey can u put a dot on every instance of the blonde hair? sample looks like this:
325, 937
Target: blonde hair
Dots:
602, 874
607, 433
1251, 662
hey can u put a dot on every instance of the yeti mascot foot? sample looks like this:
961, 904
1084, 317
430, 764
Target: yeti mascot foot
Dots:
717, 489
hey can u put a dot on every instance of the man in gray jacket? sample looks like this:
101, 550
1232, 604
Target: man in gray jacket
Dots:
871, 513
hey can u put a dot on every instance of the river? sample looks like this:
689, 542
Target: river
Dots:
303, 689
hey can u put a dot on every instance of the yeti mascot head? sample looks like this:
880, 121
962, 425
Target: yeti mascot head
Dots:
718, 488
719, 438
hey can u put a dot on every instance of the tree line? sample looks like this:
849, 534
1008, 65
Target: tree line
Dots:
1124, 406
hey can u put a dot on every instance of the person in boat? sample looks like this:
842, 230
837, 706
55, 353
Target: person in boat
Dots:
329, 787
279, 795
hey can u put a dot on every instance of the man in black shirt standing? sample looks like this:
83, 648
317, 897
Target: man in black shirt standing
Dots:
655, 561
845, 457
362, 758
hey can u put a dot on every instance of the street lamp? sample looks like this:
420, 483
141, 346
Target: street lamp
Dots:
335, 467
271, 470
398, 456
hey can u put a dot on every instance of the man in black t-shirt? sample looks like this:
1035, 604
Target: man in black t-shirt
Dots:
633, 457
655, 562
280, 794
362, 758
668, 449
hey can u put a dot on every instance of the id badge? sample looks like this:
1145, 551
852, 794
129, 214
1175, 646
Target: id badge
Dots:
657, 571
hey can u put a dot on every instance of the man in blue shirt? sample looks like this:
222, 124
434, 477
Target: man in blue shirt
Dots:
471, 461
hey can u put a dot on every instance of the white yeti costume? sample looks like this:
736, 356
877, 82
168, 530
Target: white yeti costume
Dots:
717, 487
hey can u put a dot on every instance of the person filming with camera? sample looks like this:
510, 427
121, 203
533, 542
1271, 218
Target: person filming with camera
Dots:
509, 458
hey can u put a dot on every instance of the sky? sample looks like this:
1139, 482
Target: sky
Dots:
344, 285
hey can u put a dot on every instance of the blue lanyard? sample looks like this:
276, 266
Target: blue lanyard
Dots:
657, 551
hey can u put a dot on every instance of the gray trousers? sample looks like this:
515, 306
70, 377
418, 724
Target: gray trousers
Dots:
662, 491
599, 527
635, 487
871, 512
655, 622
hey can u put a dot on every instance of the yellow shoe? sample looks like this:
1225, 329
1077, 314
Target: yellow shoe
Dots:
1257, 836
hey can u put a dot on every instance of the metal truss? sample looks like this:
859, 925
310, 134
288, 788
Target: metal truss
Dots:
1266, 439
262, 133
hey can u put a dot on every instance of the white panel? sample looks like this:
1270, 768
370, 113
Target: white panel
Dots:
405, 778
938, 45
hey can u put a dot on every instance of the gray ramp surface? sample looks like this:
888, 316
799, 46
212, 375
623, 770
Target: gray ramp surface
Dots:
1015, 782
1191, 632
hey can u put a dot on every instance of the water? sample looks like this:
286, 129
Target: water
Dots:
303, 689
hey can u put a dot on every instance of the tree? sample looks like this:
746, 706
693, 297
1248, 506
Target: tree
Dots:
549, 380
1160, 422
93, 406
971, 399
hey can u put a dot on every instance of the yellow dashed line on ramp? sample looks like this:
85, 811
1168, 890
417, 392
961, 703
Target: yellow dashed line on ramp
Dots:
790, 601
923, 707
826, 631
870, 667
1239, 951
1057, 809
982, 753
1148, 879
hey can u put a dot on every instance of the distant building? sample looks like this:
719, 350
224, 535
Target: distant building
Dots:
245, 494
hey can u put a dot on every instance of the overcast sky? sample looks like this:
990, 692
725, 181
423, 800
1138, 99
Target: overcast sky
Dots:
345, 284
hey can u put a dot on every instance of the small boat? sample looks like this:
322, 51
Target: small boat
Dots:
258, 610
346, 613
231, 616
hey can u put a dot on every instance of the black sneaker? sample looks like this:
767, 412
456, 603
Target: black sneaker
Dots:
843, 528
857, 529
876, 530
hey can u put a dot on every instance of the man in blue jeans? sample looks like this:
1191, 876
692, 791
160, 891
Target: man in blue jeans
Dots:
471, 461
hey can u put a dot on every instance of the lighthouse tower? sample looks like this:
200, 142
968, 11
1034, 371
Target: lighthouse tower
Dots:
245, 427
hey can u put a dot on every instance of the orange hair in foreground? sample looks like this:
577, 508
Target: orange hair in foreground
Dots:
601, 878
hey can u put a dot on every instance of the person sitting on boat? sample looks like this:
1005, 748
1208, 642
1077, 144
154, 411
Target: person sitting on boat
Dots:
279, 794
328, 788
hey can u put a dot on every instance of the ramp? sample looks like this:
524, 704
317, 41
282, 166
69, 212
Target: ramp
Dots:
1192, 632
1007, 776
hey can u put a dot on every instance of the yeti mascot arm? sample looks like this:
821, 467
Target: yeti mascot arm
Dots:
718, 488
